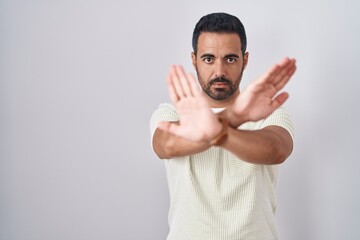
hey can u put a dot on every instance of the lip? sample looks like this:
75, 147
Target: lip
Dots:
220, 84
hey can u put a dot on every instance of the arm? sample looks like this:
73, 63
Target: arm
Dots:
275, 142
260, 98
270, 145
199, 124
168, 141
167, 145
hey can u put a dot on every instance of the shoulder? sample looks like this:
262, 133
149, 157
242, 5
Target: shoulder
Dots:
167, 112
166, 106
164, 112
280, 117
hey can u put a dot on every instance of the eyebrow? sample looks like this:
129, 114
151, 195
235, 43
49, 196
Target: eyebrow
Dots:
208, 55
232, 56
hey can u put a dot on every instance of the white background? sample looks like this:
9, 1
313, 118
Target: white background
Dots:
80, 79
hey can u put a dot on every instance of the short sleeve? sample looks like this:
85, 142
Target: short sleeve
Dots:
165, 112
280, 117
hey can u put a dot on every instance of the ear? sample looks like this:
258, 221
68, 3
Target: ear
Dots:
245, 61
193, 58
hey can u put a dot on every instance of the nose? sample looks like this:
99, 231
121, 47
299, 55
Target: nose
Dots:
219, 69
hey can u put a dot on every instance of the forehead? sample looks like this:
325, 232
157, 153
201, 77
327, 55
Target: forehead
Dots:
223, 42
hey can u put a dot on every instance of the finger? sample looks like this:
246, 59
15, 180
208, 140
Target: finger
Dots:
172, 93
279, 100
194, 87
286, 70
280, 68
284, 62
170, 127
176, 82
285, 76
270, 74
180, 72
285, 79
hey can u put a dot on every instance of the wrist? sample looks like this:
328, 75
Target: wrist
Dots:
222, 135
234, 119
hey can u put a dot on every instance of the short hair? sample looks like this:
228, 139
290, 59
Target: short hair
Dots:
219, 23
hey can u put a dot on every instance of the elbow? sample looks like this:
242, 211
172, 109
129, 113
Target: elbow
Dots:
281, 147
162, 153
163, 144
166, 150
169, 149
280, 157
281, 154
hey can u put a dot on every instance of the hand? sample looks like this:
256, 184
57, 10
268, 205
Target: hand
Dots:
258, 100
197, 120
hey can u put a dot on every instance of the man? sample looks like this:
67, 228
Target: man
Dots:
223, 147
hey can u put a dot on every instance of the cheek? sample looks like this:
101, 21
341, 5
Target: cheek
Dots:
236, 71
204, 72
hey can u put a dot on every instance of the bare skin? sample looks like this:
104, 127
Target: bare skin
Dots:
198, 124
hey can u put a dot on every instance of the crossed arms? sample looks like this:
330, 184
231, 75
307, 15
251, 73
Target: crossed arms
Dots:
198, 125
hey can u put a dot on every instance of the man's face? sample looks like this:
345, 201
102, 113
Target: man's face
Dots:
219, 64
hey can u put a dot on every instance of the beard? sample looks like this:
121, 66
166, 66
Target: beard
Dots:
220, 93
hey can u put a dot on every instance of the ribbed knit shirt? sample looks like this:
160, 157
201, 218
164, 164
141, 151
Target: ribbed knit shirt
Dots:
214, 195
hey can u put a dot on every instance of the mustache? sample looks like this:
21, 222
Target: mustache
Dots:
219, 80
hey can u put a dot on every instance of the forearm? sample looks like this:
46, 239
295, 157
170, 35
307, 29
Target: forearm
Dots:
167, 145
234, 120
271, 145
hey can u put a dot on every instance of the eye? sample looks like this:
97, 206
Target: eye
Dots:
208, 60
231, 60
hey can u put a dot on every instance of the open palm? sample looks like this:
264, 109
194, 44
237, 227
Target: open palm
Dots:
197, 121
260, 98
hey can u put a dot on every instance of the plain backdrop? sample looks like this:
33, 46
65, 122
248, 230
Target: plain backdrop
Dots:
79, 81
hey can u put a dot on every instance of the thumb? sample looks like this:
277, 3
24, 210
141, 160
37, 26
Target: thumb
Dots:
280, 99
171, 127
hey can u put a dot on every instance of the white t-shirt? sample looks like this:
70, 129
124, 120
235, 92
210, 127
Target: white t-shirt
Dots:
216, 196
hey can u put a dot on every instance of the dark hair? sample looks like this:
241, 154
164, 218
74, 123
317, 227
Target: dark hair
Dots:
219, 23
